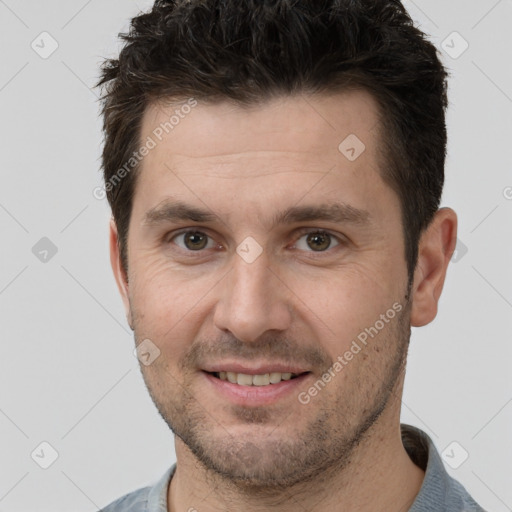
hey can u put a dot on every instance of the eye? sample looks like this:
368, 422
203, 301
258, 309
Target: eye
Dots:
317, 241
193, 241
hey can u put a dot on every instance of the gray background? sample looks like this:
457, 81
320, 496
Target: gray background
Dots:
68, 375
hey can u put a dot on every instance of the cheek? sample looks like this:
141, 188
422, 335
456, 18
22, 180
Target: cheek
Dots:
343, 303
167, 301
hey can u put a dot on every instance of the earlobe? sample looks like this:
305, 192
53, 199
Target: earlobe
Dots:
436, 248
119, 271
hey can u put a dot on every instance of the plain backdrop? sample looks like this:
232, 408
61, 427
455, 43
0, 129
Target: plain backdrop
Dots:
68, 376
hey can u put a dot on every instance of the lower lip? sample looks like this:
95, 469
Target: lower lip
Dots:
256, 395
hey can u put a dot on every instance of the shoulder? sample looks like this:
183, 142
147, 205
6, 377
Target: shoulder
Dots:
459, 497
439, 491
146, 499
135, 501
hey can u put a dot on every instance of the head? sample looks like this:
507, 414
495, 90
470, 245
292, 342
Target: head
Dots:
302, 145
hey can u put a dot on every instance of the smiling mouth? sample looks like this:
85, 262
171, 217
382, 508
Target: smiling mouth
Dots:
265, 379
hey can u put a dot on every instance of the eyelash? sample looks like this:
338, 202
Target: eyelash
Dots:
300, 233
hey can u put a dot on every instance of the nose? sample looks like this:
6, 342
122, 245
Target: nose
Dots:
253, 300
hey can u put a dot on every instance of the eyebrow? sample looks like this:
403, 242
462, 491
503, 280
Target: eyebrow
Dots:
175, 211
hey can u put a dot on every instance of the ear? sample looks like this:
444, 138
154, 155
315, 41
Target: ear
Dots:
436, 248
119, 271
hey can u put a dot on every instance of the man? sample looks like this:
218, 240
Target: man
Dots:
274, 170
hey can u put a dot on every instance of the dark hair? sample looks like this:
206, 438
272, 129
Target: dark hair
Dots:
248, 51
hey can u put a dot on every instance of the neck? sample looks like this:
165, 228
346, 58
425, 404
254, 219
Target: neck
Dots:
380, 476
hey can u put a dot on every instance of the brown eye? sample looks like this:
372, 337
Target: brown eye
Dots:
316, 241
193, 241
319, 241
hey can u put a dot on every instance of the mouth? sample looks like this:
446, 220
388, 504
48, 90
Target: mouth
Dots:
263, 379
254, 386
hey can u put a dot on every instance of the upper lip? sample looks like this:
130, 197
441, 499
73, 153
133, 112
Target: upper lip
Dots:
255, 369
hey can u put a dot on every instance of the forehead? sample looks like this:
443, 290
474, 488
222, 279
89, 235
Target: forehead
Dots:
295, 124
286, 150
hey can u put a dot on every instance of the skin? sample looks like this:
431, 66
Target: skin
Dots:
294, 304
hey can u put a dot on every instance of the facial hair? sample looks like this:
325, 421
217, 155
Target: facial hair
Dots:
263, 460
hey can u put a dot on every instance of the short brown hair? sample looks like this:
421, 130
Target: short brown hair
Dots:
247, 51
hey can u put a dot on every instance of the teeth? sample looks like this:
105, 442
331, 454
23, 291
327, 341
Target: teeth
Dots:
275, 377
244, 380
255, 380
261, 380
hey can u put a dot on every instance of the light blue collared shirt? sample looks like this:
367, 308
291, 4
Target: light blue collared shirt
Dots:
439, 491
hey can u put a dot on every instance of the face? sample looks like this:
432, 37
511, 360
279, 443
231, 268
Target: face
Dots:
260, 247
